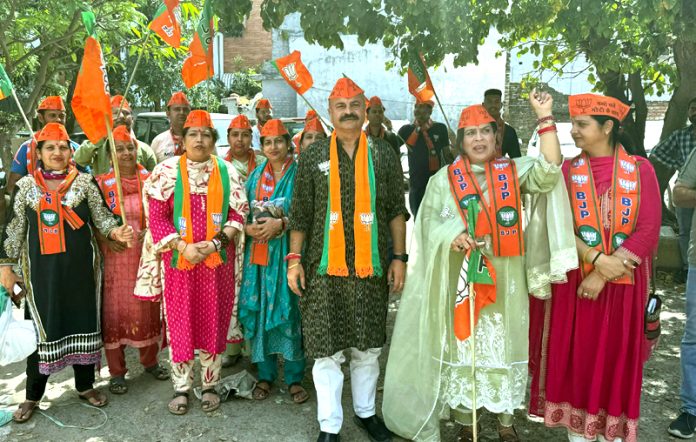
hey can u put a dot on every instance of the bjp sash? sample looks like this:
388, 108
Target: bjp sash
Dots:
333, 258
52, 213
107, 183
500, 219
501, 216
264, 191
217, 205
625, 202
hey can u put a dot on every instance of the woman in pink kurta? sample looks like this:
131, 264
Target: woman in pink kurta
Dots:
127, 321
197, 207
587, 343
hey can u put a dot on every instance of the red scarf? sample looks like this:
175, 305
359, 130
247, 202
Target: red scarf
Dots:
433, 160
107, 184
52, 213
264, 192
625, 201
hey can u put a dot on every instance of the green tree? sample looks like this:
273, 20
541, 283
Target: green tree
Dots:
634, 46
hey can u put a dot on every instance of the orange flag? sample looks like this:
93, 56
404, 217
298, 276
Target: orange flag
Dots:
91, 100
419, 83
199, 64
166, 25
294, 72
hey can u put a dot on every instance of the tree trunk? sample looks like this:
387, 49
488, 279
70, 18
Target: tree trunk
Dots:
685, 60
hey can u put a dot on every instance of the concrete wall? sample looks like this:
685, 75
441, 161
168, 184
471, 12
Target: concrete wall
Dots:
456, 87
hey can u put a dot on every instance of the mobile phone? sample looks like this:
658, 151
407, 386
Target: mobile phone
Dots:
17, 289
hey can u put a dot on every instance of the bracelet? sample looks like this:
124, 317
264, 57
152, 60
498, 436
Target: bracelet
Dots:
546, 129
217, 244
545, 119
584, 255
294, 265
290, 256
180, 249
223, 238
596, 257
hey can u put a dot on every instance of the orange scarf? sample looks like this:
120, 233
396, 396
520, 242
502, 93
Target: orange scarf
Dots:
32, 156
107, 184
251, 164
625, 201
217, 205
264, 192
502, 215
433, 159
333, 260
52, 213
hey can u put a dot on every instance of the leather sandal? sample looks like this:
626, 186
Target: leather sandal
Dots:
507, 434
208, 405
261, 391
24, 412
299, 395
158, 372
117, 385
95, 398
180, 408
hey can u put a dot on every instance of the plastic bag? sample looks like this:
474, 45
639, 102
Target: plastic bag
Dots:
17, 338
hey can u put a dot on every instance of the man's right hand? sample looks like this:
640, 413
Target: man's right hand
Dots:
296, 277
8, 278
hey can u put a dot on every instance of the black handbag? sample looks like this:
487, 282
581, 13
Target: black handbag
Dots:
652, 310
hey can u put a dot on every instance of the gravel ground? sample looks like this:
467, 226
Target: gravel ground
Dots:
141, 414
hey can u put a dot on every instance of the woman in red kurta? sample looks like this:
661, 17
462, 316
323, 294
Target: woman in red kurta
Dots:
587, 344
126, 319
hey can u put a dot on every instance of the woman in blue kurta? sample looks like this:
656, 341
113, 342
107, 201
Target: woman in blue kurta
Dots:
268, 311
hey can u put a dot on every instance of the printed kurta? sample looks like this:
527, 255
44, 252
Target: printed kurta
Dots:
127, 320
587, 356
343, 312
198, 303
63, 290
427, 363
268, 311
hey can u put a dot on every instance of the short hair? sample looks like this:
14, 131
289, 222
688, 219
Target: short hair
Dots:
212, 130
496, 92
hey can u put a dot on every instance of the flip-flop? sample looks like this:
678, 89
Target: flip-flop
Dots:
99, 398
208, 405
27, 411
299, 396
182, 408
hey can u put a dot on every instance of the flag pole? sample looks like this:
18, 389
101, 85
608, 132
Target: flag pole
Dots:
472, 341
117, 174
24, 116
318, 114
132, 76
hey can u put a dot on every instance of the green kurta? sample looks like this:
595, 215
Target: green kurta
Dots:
343, 312
98, 157
429, 370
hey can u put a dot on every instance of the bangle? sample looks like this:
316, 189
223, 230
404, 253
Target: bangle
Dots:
546, 129
217, 244
291, 255
545, 119
178, 246
294, 265
596, 257
223, 238
584, 255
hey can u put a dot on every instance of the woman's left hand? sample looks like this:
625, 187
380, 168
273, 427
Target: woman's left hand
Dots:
122, 233
542, 103
205, 247
268, 228
591, 286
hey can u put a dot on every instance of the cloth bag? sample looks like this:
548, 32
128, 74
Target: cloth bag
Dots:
17, 338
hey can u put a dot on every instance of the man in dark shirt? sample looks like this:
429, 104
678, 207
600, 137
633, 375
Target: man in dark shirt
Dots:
428, 145
506, 141
380, 127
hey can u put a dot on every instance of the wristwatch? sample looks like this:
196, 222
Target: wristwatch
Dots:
403, 257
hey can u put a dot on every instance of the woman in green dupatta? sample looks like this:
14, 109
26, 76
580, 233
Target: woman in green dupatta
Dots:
268, 311
429, 369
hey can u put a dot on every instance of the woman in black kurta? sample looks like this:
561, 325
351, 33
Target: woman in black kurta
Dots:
61, 278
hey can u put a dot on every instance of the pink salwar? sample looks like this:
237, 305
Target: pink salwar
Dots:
586, 357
